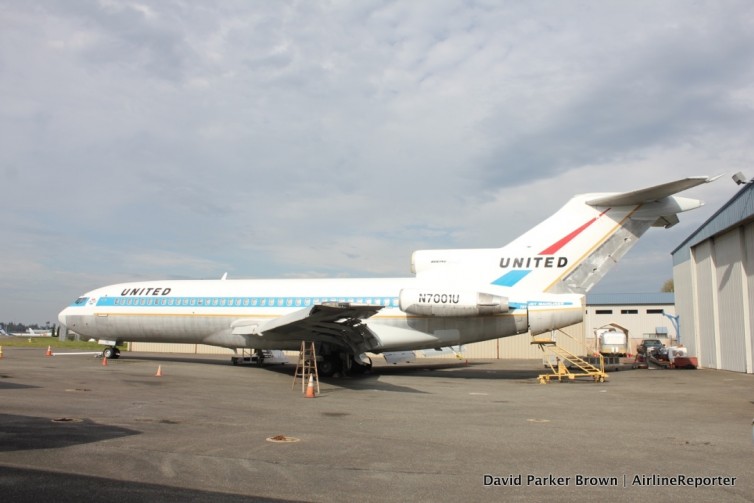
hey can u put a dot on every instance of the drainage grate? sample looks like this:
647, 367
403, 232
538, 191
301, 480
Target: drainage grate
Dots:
67, 420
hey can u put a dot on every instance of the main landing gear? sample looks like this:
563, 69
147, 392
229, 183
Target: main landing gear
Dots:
345, 363
111, 353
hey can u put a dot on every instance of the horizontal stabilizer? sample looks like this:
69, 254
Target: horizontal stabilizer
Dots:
650, 194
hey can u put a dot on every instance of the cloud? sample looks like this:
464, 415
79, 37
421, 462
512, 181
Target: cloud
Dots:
310, 139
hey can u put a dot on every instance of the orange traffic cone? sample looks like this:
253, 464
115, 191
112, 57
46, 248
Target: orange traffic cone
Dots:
104, 361
159, 371
310, 387
49, 351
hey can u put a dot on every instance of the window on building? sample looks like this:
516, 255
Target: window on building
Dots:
629, 311
604, 311
655, 311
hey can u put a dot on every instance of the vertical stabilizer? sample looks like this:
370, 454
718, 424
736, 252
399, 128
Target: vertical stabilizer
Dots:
573, 249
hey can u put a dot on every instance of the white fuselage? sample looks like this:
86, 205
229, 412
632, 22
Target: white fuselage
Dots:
210, 312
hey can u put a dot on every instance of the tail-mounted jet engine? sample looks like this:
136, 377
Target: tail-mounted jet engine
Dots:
431, 302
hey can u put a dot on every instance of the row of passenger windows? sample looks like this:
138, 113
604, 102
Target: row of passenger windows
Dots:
629, 311
248, 301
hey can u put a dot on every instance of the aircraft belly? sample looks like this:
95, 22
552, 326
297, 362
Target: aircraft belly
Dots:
493, 327
545, 320
139, 328
197, 329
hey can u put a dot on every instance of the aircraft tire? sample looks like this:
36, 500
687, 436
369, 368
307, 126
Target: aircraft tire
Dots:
328, 366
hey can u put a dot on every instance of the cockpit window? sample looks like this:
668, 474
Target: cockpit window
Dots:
80, 301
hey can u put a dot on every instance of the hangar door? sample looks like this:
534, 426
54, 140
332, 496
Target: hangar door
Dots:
728, 259
748, 250
705, 305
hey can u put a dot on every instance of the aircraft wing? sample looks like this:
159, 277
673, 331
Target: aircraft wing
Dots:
338, 323
650, 194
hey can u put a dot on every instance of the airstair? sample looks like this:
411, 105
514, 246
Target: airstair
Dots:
568, 365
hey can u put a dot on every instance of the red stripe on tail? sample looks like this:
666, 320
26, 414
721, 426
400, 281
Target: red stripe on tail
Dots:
553, 248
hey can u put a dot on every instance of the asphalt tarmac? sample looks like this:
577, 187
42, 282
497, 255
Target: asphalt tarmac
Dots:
72, 429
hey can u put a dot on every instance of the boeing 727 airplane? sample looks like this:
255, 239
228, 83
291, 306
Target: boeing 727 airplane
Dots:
534, 284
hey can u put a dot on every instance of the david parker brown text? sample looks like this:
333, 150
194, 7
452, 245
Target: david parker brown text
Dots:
579, 480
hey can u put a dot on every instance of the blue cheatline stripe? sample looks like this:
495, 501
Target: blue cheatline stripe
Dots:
548, 303
511, 278
283, 302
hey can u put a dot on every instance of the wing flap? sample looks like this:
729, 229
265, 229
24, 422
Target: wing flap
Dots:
338, 323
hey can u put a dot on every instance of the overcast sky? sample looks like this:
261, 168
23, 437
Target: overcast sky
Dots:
176, 139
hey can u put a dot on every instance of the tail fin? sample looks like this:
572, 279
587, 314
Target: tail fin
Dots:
574, 248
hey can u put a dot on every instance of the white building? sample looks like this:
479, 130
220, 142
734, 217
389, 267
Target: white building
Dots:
640, 315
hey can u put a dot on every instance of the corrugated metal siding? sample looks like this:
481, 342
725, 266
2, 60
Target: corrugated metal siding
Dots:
203, 349
684, 295
720, 254
520, 347
714, 292
728, 259
161, 347
704, 305
484, 349
748, 262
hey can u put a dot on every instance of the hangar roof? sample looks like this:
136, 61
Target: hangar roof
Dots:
630, 299
737, 210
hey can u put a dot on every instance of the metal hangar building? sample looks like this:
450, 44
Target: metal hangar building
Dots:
713, 272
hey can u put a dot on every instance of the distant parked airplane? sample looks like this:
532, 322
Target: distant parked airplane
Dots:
32, 333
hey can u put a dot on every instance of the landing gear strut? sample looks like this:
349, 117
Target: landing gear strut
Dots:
344, 363
361, 366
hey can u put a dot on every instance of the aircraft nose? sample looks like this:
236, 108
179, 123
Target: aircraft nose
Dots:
62, 317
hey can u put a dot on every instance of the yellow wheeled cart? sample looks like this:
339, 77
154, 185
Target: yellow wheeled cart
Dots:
562, 369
